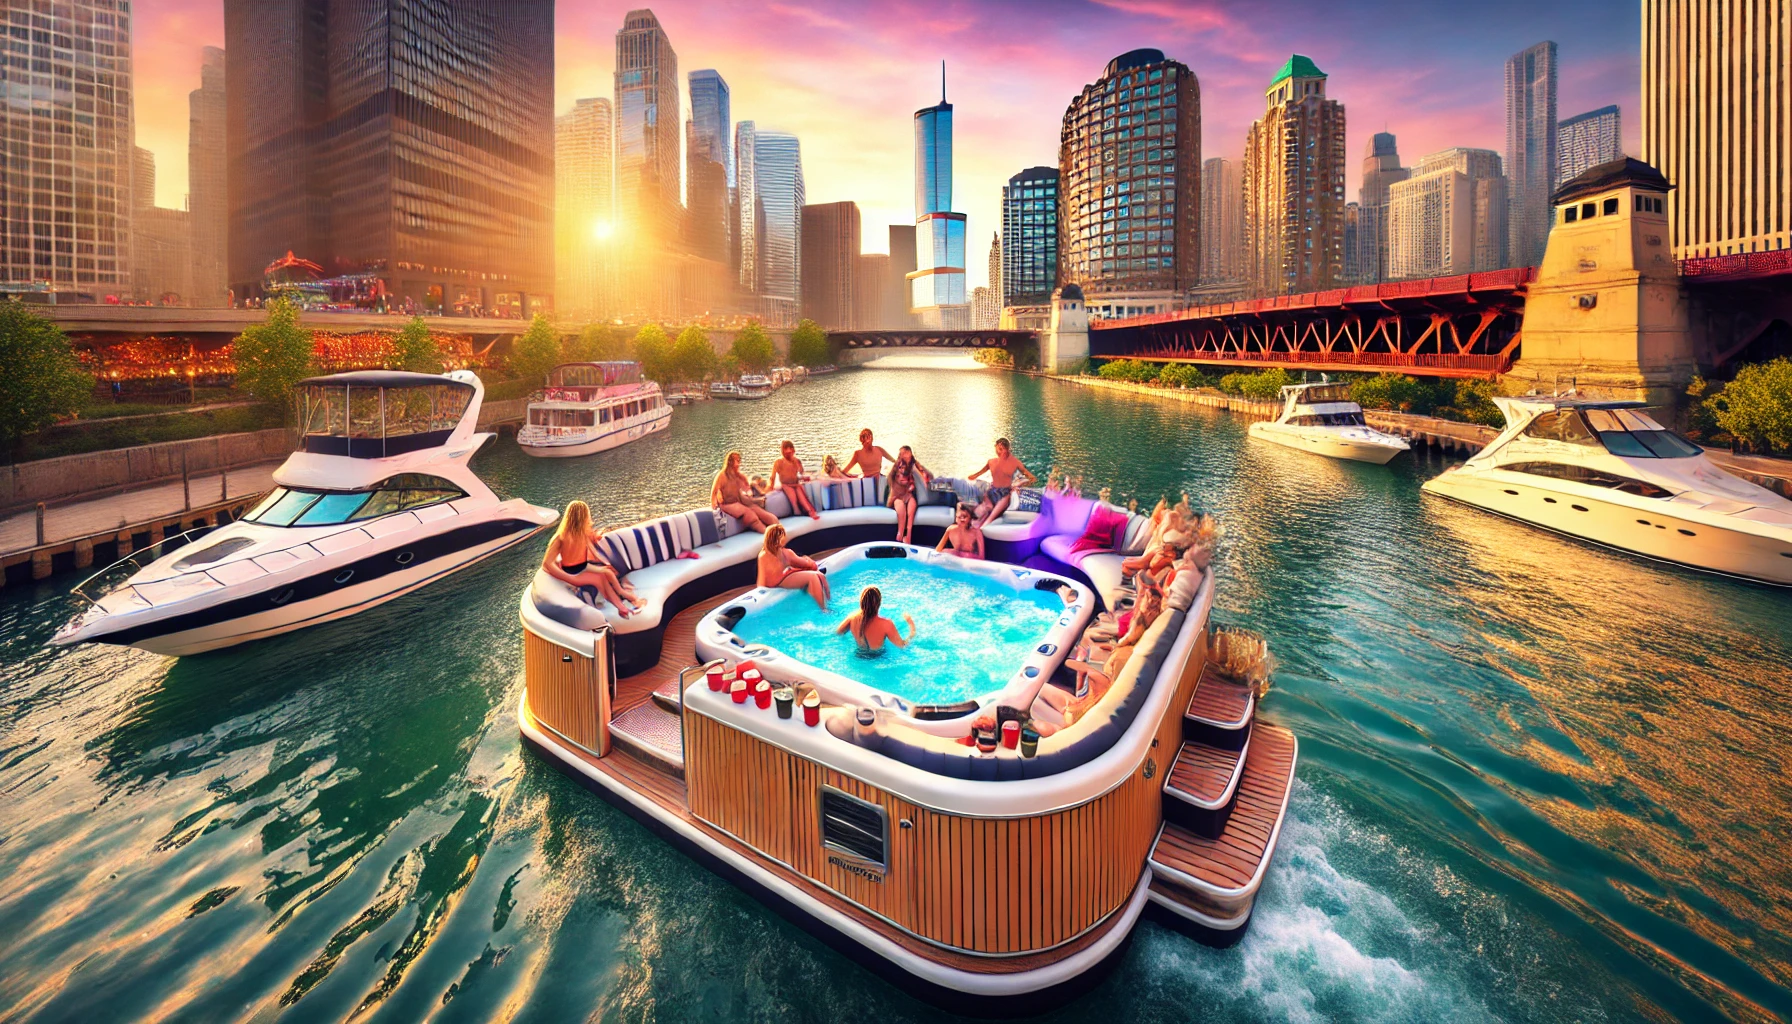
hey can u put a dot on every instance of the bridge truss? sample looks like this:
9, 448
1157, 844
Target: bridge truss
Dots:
923, 338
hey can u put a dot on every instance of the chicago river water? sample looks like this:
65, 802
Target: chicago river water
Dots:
1539, 780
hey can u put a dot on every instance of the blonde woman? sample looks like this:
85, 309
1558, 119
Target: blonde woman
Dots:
733, 494
573, 558
781, 567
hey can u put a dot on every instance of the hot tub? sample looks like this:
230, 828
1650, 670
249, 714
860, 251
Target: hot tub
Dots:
986, 632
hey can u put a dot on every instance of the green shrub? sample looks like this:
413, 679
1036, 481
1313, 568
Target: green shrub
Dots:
1267, 385
40, 378
1396, 391
809, 344
595, 343
274, 355
1474, 403
1756, 407
1701, 414
753, 350
1183, 375
415, 349
536, 352
693, 358
653, 350
1131, 370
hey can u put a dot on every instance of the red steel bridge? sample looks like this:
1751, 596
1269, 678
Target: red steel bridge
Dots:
1465, 326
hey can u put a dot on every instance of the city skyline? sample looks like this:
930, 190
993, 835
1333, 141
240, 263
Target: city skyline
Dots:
1431, 76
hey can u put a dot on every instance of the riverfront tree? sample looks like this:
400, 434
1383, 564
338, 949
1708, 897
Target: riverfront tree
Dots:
42, 379
693, 358
753, 348
274, 355
415, 349
1756, 407
595, 343
653, 350
536, 352
809, 345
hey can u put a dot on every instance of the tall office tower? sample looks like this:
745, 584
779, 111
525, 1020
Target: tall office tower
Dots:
408, 144
647, 130
159, 246
936, 288
1717, 122
1352, 247
1129, 155
746, 209
1531, 149
584, 210
65, 199
1449, 217
208, 171
708, 170
1381, 169
778, 174
1294, 185
986, 311
1030, 237
902, 264
831, 265
873, 294
1587, 140
995, 268
143, 178
1222, 220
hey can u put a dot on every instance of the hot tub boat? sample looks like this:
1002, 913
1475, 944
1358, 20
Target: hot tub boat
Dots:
992, 883
379, 501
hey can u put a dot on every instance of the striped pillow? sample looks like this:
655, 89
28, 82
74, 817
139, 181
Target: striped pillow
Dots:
655, 541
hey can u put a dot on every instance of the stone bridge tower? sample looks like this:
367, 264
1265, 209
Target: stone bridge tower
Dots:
1065, 341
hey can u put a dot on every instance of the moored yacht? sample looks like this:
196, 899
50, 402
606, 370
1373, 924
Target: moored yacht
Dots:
754, 385
592, 407
1321, 418
378, 502
1605, 471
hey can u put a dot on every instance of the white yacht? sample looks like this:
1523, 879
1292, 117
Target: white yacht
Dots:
1605, 471
1321, 418
754, 385
378, 502
592, 407
724, 389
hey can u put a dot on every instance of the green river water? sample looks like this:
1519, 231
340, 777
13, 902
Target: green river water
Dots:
1538, 780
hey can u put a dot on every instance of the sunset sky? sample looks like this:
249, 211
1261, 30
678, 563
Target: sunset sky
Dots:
846, 78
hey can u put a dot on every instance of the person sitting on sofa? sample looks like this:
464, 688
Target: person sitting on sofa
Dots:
869, 459
781, 567
1001, 470
733, 494
962, 538
1092, 681
573, 558
903, 473
870, 629
830, 468
787, 475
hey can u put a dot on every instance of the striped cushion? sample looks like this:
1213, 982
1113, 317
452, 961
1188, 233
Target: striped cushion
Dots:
1026, 499
859, 492
653, 542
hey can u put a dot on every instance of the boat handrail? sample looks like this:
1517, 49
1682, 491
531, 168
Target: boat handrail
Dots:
683, 674
137, 563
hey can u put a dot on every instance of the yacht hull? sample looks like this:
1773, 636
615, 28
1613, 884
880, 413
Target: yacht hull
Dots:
1652, 527
600, 443
1328, 445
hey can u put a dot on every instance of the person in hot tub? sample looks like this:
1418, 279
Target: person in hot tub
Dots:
781, 567
962, 538
869, 629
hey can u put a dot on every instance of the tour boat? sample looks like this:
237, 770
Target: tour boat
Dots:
1605, 471
379, 501
923, 820
724, 389
1321, 418
754, 385
593, 407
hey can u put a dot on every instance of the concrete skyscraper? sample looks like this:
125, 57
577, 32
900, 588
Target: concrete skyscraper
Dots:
208, 176
936, 288
1587, 140
708, 167
1030, 237
585, 211
65, 220
1381, 170
1222, 220
747, 229
1531, 148
1294, 185
902, 264
830, 254
778, 196
1129, 153
1717, 121
1449, 217
996, 284
438, 192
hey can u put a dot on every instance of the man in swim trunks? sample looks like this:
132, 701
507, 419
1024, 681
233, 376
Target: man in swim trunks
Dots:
869, 458
1001, 470
962, 538
787, 475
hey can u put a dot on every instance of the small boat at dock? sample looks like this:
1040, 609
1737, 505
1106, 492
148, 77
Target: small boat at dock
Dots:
754, 386
1323, 419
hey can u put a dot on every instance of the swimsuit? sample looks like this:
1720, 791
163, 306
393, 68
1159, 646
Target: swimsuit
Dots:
902, 483
998, 493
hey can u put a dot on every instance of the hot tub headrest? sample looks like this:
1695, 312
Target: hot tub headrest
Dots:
657, 540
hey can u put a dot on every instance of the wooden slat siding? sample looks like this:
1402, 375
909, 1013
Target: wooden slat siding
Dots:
569, 696
1232, 859
1202, 771
1219, 699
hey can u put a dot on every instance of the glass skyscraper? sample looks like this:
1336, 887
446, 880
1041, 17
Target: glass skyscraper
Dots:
1587, 140
585, 211
778, 194
1029, 237
1531, 149
936, 288
708, 167
647, 130
409, 140
208, 171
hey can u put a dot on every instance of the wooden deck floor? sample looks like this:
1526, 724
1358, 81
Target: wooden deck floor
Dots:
1232, 860
1202, 772
1219, 701
678, 651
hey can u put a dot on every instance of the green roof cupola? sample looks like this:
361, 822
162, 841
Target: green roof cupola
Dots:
1298, 79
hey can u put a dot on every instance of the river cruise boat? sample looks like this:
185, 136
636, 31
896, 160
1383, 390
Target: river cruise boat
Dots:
1322, 419
755, 385
1606, 472
379, 501
969, 828
724, 389
592, 407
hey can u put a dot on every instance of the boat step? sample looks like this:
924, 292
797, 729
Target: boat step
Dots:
666, 695
1220, 876
1196, 917
1201, 786
1219, 713
650, 733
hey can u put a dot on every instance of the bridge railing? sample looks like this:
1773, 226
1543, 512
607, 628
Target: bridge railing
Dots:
1470, 363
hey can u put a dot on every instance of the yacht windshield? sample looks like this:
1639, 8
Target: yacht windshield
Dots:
1329, 419
1325, 393
1632, 434
297, 506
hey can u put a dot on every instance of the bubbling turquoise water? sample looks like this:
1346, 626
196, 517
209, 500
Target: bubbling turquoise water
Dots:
971, 632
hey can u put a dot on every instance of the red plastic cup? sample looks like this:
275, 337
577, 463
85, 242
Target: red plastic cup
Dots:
1011, 734
762, 694
738, 690
812, 709
716, 680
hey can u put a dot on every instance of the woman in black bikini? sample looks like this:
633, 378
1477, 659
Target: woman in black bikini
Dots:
869, 629
902, 491
573, 558
781, 567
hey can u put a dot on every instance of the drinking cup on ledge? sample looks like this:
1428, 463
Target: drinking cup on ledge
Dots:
785, 697
717, 681
986, 741
1029, 742
751, 676
738, 690
812, 708
1011, 734
762, 694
